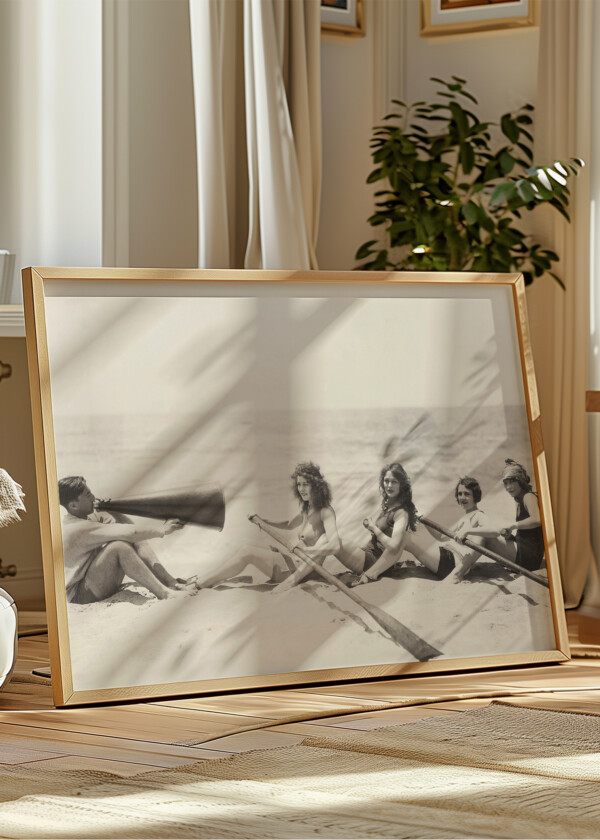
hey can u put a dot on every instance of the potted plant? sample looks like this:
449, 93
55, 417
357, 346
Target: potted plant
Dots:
456, 188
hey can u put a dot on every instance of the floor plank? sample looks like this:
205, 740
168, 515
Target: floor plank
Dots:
129, 738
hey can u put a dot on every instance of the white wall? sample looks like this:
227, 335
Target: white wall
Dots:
163, 213
501, 69
51, 132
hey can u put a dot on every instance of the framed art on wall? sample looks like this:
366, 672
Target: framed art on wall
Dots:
459, 17
343, 17
259, 478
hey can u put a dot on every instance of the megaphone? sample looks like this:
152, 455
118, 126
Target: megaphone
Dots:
196, 506
5, 371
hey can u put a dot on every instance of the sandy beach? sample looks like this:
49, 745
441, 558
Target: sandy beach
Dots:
246, 629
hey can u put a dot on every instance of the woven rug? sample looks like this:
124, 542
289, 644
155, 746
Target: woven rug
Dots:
499, 771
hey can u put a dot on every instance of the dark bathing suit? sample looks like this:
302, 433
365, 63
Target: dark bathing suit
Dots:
374, 549
530, 542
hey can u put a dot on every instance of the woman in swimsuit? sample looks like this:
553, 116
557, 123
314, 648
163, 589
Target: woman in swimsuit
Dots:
526, 529
472, 524
317, 535
391, 530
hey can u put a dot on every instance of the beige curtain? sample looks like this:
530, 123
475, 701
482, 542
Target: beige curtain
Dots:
256, 70
560, 319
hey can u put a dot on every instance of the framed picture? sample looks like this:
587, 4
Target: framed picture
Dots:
343, 17
458, 17
252, 479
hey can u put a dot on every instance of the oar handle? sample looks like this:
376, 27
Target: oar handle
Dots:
483, 550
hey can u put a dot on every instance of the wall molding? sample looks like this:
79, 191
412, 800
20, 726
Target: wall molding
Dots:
389, 70
12, 321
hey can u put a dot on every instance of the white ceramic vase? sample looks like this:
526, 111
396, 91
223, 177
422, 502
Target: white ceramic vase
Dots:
8, 636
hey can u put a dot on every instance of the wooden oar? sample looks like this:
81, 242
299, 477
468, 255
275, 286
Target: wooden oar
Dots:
483, 550
397, 631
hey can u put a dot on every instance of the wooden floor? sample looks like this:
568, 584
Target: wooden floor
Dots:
130, 738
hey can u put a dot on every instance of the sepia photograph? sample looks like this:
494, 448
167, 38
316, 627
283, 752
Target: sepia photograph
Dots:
258, 480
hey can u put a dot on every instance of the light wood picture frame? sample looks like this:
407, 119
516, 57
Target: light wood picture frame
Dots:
442, 18
343, 17
260, 439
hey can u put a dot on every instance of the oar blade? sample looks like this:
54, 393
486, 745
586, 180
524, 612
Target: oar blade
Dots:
401, 634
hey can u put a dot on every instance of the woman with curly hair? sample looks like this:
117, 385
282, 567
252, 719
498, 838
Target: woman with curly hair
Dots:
391, 530
317, 535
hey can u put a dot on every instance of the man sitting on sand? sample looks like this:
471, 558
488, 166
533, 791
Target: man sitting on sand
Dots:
99, 551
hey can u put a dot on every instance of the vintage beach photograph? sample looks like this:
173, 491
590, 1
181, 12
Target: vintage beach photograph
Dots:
258, 480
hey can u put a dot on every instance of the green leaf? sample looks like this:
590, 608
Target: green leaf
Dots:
365, 250
375, 175
507, 162
503, 193
380, 262
460, 118
470, 213
526, 151
525, 190
485, 221
491, 171
400, 227
509, 128
555, 203
467, 157
469, 96
558, 280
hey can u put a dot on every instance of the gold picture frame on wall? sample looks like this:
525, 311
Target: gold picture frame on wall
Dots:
343, 17
461, 17
261, 478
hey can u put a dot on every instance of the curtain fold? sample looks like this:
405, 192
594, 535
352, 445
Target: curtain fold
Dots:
256, 70
560, 319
